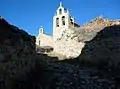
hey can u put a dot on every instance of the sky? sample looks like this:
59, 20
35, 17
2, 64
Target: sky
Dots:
30, 15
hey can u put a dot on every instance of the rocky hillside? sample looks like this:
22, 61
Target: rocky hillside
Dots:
16, 48
103, 51
22, 68
14, 41
73, 40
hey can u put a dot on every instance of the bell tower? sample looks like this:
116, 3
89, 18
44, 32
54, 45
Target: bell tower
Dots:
60, 21
41, 30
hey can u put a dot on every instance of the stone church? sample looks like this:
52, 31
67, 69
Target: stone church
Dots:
62, 20
68, 37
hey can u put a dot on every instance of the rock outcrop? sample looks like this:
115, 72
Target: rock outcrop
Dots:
105, 45
67, 45
14, 41
72, 41
103, 52
17, 50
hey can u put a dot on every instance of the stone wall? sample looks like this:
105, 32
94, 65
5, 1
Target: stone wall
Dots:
44, 40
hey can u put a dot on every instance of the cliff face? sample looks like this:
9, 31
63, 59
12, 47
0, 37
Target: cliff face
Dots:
14, 41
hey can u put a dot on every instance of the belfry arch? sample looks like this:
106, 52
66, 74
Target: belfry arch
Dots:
57, 22
63, 20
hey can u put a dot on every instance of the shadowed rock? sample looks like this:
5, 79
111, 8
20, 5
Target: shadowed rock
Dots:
103, 52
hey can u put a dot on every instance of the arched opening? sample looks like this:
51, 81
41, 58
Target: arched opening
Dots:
57, 22
65, 10
71, 21
60, 11
63, 20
